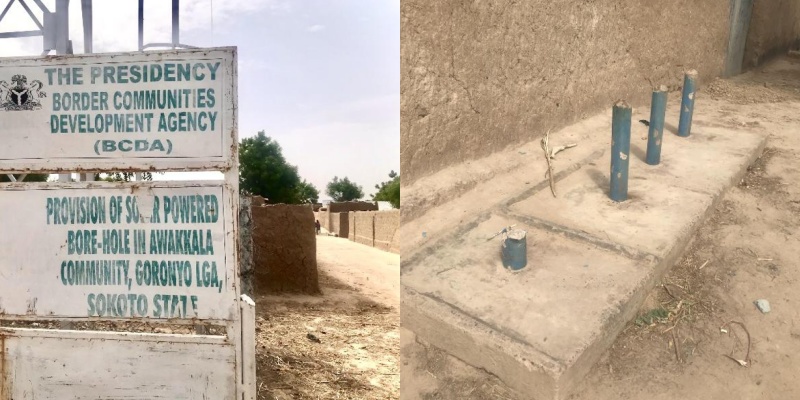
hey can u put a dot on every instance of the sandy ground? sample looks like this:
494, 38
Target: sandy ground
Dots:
684, 343
341, 345
375, 273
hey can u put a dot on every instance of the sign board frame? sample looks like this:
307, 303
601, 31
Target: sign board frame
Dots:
65, 250
27, 351
46, 82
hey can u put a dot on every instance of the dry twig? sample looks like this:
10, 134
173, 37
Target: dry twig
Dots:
664, 285
546, 148
550, 154
746, 361
559, 149
677, 348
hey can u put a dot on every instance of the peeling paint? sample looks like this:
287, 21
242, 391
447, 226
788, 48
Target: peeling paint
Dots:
219, 357
5, 369
3, 379
32, 306
36, 149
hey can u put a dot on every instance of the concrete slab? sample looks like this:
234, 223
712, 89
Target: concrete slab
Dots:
490, 181
664, 202
591, 262
479, 186
572, 297
703, 162
643, 223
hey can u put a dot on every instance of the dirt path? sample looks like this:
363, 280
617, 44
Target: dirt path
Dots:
749, 249
374, 272
343, 344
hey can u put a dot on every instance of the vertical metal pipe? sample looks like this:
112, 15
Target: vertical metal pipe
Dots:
62, 26
141, 25
514, 252
86, 11
655, 136
620, 150
176, 24
740, 16
687, 103
62, 47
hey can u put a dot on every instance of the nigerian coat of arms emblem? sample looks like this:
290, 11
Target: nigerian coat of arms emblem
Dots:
20, 95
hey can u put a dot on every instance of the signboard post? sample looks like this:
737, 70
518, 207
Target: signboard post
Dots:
122, 255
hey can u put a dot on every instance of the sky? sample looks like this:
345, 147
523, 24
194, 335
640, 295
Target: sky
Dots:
320, 77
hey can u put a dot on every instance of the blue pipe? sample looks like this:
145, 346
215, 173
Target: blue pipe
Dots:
515, 250
620, 150
655, 135
687, 103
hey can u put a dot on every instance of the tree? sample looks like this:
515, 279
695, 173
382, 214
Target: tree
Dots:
307, 193
28, 178
263, 171
389, 190
344, 190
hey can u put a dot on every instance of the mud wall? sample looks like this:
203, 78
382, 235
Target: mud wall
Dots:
285, 249
246, 244
365, 227
376, 228
774, 28
257, 201
340, 224
351, 225
324, 218
477, 77
336, 223
386, 225
352, 206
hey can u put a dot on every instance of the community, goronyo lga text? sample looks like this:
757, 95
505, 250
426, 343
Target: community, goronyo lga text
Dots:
171, 100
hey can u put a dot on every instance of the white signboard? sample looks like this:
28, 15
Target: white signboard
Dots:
164, 252
117, 252
134, 110
69, 365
